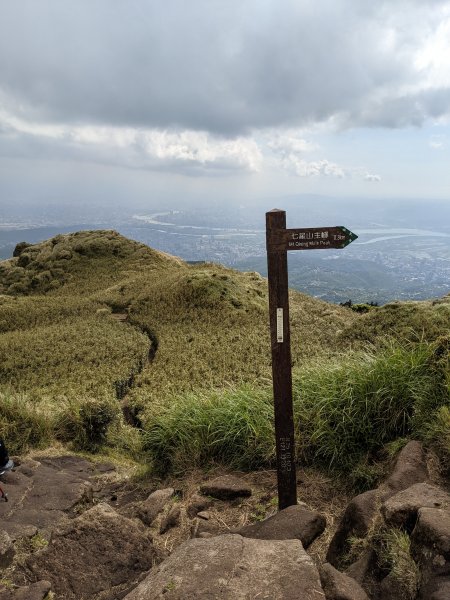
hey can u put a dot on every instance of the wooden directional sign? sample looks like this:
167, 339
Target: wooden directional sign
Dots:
312, 239
279, 240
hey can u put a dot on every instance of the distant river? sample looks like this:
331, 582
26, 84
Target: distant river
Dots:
397, 233
382, 234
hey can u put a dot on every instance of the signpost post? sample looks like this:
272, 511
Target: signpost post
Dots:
278, 241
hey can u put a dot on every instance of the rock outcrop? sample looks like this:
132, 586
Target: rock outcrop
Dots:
294, 522
149, 509
226, 487
99, 551
231, 567
405, 503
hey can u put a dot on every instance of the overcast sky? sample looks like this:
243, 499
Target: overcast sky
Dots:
224, 98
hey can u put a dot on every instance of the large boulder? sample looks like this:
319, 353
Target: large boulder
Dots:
430, 548
99, 551
401, 509
294, 522
432, 531
231, 567
226, 487
362, 513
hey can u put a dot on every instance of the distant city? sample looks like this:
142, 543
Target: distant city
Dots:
402, 251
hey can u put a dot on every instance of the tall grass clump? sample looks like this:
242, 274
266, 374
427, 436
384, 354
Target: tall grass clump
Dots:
84, 424
394, 556
345, 411
232, 427
437, 434
24, 423
348, 409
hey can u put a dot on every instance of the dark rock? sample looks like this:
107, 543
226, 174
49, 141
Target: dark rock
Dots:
391, 588
437, 588
363, 511
360, 570
99, 551
172, 519
231, 567
359, 517
430, 545
338, 586
20, 247
149, 509
197, 504
401, 509
410, 468
432, 531
35, 591
294, 522
226, 487
6, 549
200, 526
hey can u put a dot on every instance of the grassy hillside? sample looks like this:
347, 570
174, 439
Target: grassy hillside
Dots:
66, 360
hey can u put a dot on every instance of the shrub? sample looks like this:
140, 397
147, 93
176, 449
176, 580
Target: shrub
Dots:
85, 424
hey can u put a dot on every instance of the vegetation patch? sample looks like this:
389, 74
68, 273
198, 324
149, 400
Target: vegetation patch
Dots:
360, 380
345, 411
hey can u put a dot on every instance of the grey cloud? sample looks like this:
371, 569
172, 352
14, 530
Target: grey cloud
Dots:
222, 66
186, 152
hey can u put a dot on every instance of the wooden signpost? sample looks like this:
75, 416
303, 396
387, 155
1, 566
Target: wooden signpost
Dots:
279, 240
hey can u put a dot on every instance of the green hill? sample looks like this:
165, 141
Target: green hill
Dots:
92, 323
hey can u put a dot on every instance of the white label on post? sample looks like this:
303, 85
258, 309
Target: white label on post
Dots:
280, 325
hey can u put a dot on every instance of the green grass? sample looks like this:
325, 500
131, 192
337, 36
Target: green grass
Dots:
24, 423
363, 401
394, 556
344, 412
232, 427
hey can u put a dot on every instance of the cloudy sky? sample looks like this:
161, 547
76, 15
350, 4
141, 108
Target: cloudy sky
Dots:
224, 98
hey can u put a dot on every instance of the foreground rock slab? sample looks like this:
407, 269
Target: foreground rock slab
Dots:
226, 487
294, 522
43, 492
99, 551
231, 567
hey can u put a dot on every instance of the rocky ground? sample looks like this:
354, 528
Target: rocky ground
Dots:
74, 529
